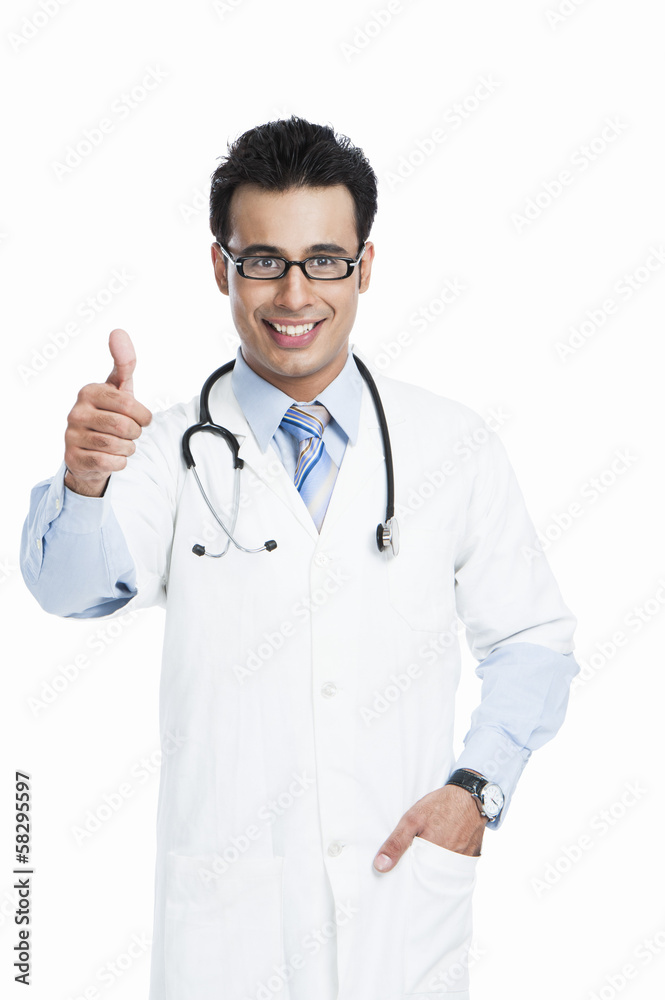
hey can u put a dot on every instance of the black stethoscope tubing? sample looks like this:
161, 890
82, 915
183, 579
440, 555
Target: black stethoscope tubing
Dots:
386, 533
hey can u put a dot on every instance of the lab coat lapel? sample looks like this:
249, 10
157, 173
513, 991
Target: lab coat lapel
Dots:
359, 463
268, 467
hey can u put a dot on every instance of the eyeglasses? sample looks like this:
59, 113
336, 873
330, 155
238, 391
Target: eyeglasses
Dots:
321, 267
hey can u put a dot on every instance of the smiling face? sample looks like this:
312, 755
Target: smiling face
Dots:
294, 224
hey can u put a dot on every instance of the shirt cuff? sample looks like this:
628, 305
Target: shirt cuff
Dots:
84, 514
494, 755
48, 500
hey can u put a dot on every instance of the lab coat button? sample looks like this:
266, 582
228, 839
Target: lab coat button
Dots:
321, 559
335, 848
329, 690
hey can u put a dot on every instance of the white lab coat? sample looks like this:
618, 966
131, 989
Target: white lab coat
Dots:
310, 694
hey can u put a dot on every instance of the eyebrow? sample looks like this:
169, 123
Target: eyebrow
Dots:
261, 248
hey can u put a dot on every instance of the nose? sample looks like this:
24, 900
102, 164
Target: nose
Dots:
294, 291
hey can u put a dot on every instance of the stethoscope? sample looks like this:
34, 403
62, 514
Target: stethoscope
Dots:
387, 533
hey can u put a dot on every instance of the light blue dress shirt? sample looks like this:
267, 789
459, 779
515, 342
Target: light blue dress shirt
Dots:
76, 563
264, 405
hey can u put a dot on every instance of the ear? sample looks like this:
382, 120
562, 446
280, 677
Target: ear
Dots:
219, 263
365, 267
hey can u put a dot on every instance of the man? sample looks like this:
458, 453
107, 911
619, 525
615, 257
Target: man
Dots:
309, 843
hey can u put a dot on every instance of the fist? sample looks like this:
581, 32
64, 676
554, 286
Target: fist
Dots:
104, 423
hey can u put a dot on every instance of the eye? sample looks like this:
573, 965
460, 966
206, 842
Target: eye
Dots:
263, 267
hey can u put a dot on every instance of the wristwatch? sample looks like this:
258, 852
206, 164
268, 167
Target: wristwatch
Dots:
487, 793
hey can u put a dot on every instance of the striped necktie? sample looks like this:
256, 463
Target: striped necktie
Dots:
315, 470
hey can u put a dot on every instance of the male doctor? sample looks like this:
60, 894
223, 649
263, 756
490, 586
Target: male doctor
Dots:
317, 837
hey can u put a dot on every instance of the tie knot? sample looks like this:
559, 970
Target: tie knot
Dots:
306, 420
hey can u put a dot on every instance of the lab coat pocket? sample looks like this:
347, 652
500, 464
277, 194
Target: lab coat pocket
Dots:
421, 578
438, 926
223, 932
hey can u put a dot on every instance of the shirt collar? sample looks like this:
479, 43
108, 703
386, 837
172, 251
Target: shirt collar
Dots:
264, 405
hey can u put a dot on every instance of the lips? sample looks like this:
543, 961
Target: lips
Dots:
288, 336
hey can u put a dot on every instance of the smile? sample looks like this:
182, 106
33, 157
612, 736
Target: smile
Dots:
292, 335
292, 330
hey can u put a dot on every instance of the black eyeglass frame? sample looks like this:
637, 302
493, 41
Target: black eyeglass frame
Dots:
350, 262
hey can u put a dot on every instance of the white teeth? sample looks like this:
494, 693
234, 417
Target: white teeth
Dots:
293, 331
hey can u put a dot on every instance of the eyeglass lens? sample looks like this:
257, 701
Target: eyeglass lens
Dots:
273, 267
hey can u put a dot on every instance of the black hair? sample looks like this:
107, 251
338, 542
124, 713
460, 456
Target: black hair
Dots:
293, 153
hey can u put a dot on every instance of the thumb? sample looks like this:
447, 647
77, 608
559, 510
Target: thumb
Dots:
124, 361
392, 849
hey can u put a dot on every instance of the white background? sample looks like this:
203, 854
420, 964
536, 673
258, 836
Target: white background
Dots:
137, 203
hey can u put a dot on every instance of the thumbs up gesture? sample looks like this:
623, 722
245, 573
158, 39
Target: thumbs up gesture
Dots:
104, 423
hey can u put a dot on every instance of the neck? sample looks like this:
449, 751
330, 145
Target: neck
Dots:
301, 387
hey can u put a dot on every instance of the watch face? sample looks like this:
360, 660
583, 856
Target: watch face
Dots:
492, 797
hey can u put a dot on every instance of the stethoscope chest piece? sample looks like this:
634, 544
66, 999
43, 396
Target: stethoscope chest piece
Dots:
387, 534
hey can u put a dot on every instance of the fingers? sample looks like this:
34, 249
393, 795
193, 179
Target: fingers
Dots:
93, 466
107, 398
92, 451
102, 428
95, 440
124, 361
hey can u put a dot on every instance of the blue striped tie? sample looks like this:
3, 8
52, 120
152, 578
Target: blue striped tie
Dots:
315, 470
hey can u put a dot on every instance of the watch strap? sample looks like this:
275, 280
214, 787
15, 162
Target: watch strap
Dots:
473, 783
